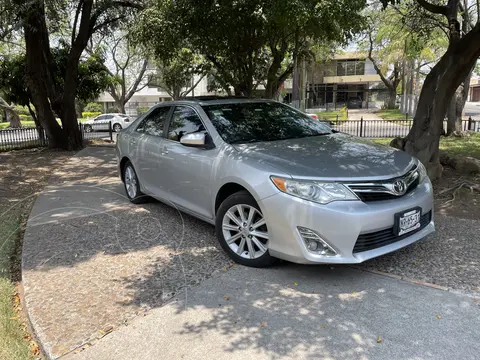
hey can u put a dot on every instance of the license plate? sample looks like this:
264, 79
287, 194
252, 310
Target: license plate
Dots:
407, 221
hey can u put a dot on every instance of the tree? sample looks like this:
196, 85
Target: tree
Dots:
12, 116
92, 78
176, 75
128, 68
386, 49
248, 42
440, 84
50, 93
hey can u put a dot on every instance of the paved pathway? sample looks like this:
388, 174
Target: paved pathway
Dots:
301, 312
94, 264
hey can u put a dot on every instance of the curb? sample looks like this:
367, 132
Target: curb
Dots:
403, 278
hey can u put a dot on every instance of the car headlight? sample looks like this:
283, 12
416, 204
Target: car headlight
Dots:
422, 171
316, 191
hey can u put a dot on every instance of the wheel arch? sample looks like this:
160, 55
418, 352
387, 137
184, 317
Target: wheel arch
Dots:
228, 189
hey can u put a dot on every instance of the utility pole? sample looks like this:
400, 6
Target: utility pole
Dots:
296, 84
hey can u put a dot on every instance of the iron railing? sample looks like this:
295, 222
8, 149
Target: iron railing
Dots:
30, 137
23, 138
12, 139
386, 128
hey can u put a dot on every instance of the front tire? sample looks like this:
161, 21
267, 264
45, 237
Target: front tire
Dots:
87, 128
132, 185
242, 231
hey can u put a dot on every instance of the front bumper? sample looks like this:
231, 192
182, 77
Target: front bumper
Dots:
339, 224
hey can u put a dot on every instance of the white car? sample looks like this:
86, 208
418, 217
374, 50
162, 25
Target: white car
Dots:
101, 122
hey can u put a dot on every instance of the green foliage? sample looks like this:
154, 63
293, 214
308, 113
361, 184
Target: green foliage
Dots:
88, 114
247, 42
93, 107
112, 110
21, 110
142, 110
92, 77
176, 73
25, 117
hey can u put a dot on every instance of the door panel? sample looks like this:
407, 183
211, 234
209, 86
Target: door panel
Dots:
149, 144
187, 171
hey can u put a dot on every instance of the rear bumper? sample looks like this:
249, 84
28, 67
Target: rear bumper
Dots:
339, 224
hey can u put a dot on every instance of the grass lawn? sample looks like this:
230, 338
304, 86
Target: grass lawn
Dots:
332, 115
455, 146
4, 125
12, 332
391, 114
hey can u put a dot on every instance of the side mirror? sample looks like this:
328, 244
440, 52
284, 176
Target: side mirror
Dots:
193, 139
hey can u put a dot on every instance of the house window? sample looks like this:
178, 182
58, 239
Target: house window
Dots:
350, 67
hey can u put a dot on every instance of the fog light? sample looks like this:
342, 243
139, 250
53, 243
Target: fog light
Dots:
315, 243
312, 245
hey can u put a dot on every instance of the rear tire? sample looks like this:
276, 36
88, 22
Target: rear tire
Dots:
132, 185
242, 231
117, 127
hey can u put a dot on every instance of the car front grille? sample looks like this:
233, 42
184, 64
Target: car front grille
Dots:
382, 190
374, 240
379, 195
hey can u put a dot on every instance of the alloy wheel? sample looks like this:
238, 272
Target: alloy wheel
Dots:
131, 182
117, 127
245, 231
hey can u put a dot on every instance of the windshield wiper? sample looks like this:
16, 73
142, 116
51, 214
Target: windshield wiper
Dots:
244, 141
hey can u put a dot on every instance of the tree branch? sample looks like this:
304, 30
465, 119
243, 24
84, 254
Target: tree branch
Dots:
436, 9
193, 87
137, 82
386, 81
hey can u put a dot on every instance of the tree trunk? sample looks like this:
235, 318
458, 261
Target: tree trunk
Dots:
392, 98
120, 105
440, 85
13, 117
455, 111
40, 80
40, 132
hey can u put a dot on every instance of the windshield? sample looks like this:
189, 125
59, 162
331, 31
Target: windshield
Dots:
262, 121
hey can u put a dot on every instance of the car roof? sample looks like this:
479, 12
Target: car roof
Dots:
214, 100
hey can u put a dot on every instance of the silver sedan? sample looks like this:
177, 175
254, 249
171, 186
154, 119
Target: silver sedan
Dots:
275, 182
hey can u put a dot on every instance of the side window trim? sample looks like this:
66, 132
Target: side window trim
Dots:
172, 111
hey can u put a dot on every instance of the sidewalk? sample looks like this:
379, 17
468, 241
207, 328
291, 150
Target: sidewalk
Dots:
301, 312
124, 281
366, 114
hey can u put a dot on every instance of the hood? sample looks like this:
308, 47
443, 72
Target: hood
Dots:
335, 156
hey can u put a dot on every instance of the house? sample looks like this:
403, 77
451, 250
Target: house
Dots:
347, 77
474, 93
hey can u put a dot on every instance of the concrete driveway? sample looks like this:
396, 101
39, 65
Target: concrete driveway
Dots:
106, 279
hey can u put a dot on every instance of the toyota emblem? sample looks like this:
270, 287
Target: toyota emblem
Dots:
399, 187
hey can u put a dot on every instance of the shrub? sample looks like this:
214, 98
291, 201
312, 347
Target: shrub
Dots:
142, 110
112, 110
90, 114
25, 117
93, 107
21, 110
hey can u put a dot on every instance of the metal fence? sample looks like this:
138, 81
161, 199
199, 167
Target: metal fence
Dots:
25, 138
102, 131
13, 139
386, 128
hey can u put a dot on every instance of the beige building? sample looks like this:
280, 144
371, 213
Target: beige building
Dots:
349, 79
